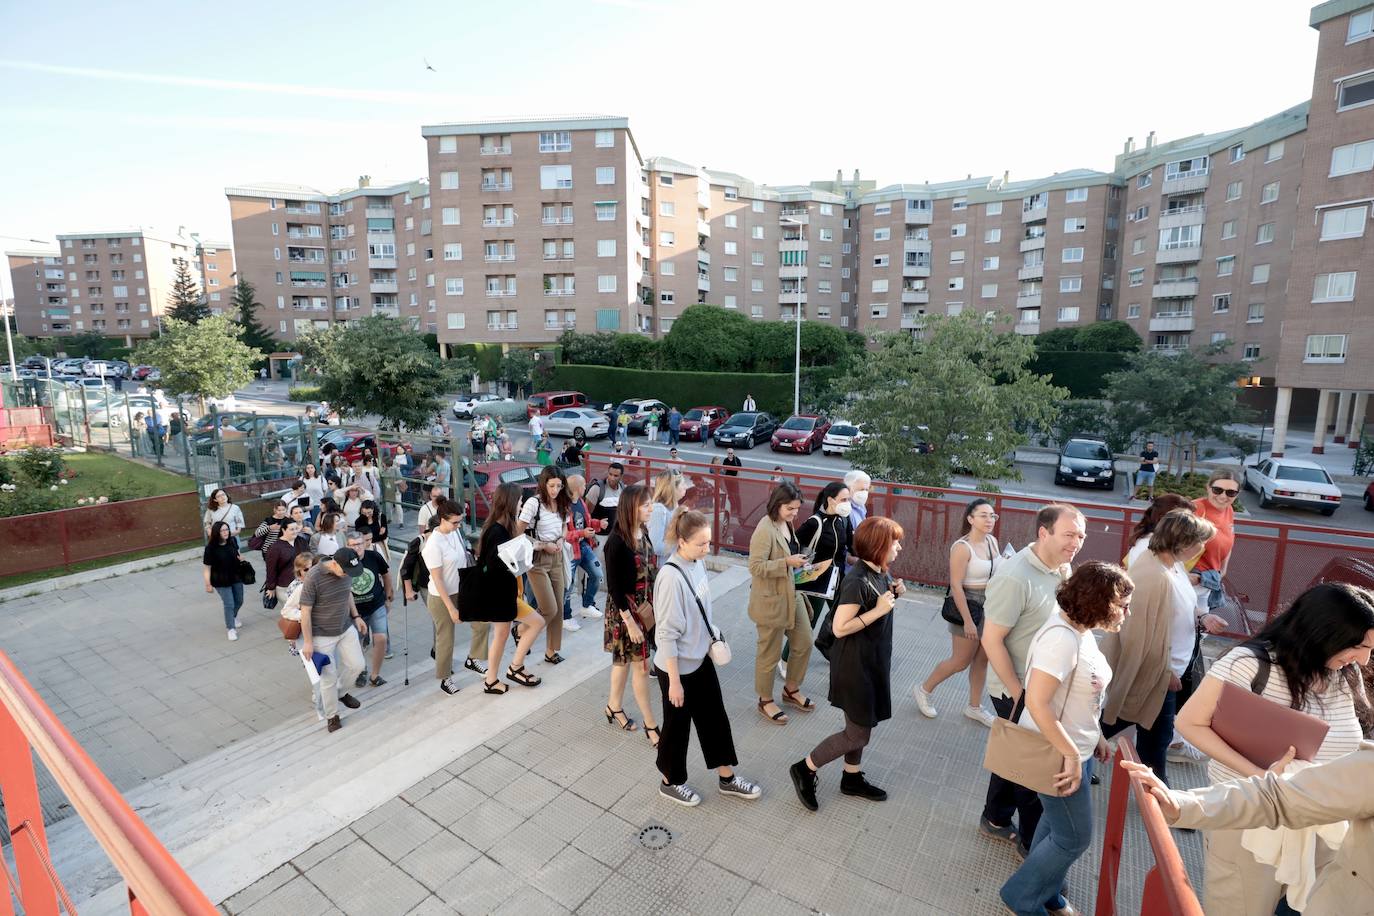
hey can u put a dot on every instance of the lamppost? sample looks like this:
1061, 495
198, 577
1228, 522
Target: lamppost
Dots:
789, 220
8, 311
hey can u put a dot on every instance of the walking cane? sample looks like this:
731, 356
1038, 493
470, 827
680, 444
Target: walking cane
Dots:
405, 650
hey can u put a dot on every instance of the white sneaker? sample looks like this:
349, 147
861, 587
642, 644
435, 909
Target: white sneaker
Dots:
782, 669
572, 624
233, 635
923, 702
978, 714
1185, 753
237, 621
591, 611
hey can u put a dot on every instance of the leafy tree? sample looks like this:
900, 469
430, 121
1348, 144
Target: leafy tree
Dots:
966, 383
187, 301
24, 347
205, 359
1058, 340
589, 349
709, 338
1108, 337
517, 368
775, 345
246, 304
94, 345
635, 351
380, 366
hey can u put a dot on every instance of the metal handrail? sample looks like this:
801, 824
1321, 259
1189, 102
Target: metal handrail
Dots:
157, 884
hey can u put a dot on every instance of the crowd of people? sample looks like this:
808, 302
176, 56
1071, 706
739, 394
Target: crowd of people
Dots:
1073, 655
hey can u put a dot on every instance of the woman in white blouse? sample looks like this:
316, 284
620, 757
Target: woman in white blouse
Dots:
219, 508
544, 518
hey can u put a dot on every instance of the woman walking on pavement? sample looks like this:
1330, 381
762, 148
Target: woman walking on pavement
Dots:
314, 488
860, 662
221, 565
494, 599
219, 508
972, 559
669, 488
826, 539
280, 557
544, 519
684, 631
581, 535
631, 568
776, 608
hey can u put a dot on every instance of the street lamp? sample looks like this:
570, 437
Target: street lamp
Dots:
7, 312
796, 380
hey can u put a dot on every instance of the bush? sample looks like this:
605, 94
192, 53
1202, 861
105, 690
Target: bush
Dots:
304, 393
486, 358
608, 385
41, 467
1082, 372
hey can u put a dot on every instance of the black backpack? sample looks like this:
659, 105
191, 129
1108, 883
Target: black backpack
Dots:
412, 568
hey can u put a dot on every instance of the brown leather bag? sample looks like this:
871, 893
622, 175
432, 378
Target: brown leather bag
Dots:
1023, 756
290, 629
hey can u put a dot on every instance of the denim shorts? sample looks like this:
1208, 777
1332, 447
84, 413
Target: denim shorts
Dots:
1145, 478
376, 620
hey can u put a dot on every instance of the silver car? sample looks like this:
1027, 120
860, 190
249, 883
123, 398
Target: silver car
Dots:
577, 422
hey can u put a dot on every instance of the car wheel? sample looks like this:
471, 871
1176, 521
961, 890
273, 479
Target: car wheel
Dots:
1329, 512
1058, 481
579, 433
1265, 501
1368, 503
749, 443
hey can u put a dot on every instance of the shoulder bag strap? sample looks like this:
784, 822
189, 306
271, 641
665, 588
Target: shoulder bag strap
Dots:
1261, 679
1068, 684
700, 607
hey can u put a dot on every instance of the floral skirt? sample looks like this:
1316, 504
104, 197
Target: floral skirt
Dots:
616, 640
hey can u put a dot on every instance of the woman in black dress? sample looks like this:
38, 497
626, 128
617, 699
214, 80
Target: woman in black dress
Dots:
631, 567
860, 661
372, 521
825, 537
492, 595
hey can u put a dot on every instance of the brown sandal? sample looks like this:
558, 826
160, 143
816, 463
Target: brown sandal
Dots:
804, 703
780, 718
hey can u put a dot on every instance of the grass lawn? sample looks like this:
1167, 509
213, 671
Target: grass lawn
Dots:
97, 472
25, 578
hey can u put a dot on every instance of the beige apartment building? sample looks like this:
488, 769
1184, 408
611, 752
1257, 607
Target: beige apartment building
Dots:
216, 263
117, 283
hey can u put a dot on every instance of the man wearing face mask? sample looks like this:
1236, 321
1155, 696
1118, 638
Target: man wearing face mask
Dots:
859, 485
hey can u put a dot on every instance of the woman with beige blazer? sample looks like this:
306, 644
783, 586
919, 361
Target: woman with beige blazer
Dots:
776, 608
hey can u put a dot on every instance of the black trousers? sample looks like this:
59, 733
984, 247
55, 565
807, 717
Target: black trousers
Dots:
1006, 798
703, 706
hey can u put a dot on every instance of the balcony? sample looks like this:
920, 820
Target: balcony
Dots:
1031, 272
1182, 288
1182, 216
500, 293
1172, 321
703, 283
298, 234
792, 272
494, 258
1027, 328
1028, 301
503, 221
915, 296
381, 212
390, 311
794, 217
1169, 349
496, 151
498, 186
917, 216
789, 297
381, 263
1035, 244
503, 326
913, 322
793, 245
1185, 183
703, 256
919, 246
1179, 255
915, 270
1035, 214
382, 286
559, 291
703, 228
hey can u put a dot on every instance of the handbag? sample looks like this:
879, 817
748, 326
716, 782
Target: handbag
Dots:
290, 629
720, 649
949, 611
247, 574
1024, 756
269, 598
1261, 730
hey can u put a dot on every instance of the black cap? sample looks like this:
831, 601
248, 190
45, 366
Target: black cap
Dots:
348, 559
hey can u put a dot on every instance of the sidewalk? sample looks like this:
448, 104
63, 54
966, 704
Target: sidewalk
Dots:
529, 802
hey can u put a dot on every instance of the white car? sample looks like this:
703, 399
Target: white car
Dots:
1290, 482
572, 421
463, 407
841, 437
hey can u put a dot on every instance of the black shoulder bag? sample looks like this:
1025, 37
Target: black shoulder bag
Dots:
950, 611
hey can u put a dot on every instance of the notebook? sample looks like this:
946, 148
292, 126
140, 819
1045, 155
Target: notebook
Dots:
1261, 730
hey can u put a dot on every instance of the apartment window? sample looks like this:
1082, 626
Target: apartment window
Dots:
606, 283
553, 177
605, 210
1234, 190
757, 206
827, 209
989, 291
1133, 311
956, 257
1251, 352
556, 214
448, 144
555, 141
878, 310
1334, 287
453, 286
882, 235
730, 274
276, 228
1237, 153
1260, 274
756, 258
1265, 235
281, 327
1228, 229
879, 286
730, 193
1067, 313
1354, 157
731, 248
731, 221
1075, 195
667, 239
1273, 151
453, 251
959, 203
1325, 348
729, 302
1138, 245
881, 260
276, 254
756, 286
882, 209
1344, 223
665, 179
956, 283
1139, 213
1254, 313
844, 297
994, 208
279, 276
667, 297
667, 269
1075, 224
1180, 237
667, 208
1135, 277
1070, 284
410, 249
450, 216
1071, 255
1355, 92
1269, 193
755, 311
991, 263
826, 235
429, 281
448, 181
958, 230
1109, 251
1144, 181
1221, 303
757, 232
844, 273
605, 248
992, 236
822, 260
605, 139
1218, 337
1226, 266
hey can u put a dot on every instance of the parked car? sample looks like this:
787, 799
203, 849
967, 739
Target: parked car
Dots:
467, 403
639, 410
35, 362
803, 432
745, 430
919, 437
246, 424
118, 409
70, 366
95, 383
700, 423
546, 402
578, 422
106, 368
1289, 482
488, 476
1349, 569
139, 373
1086, 461
841, 437
352, 443
1369, 497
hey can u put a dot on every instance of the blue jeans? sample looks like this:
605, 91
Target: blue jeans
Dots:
587, 560
1152, 744
673, 435
1064, 833
231, 596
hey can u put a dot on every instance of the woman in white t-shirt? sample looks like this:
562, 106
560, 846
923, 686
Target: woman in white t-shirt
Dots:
544, 518
1310, 655
1068, 678
219, 508
314, 488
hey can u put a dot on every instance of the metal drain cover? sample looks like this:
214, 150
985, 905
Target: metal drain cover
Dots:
655, 837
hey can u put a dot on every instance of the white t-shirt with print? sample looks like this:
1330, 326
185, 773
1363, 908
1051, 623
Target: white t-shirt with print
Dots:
1054, 650
448, 553
548, 524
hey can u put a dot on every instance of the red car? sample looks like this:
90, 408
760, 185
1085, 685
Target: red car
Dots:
1369, 497
351, 444
487, 476
700, 422
803, 432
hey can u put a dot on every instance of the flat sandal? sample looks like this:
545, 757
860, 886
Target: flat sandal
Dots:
778, 718
790, 697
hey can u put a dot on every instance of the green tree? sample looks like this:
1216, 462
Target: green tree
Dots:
1108, 337
775, 345
24, 347
517, 368
1057, 341
187, 300
635, 351
380, 366
205, 359
92, 344
589, 349
246, 304
708, 338
964, 388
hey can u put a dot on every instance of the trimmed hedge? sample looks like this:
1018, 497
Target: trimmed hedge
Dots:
486, 358
609, 384
304, 393
1082, 372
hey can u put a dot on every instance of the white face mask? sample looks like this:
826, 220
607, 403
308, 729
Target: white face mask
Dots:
842, 508
861, 497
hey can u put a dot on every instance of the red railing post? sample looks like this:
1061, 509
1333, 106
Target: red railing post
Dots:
1113, 839
1276, 581
24, 811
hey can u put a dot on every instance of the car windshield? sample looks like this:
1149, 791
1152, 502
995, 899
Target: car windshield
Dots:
1307, 475
627, 407
802, 423
693, 414
741, 419
1094, 451
844, 429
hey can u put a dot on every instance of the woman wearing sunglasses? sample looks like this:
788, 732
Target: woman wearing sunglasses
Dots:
1216, 505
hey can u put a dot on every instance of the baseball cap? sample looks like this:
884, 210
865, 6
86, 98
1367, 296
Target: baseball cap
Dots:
348, 559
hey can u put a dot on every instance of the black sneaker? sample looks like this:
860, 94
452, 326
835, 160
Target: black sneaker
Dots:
855, 784
361, 681
350, 701
992, 831
449, 685
804, 781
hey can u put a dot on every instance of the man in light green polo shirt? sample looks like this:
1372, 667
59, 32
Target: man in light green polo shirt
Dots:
1020, 598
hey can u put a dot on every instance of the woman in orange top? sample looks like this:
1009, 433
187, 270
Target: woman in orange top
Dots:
1216, 506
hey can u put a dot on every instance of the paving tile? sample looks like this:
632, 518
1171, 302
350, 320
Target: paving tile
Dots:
795, 873
340, 872
530, 748
297, 897
401, 833
570, 877
435, 861
450, 801
760, 901
427, 785
742, 850
492, 774
485, 824
480, 888
708, 888
525, 849
431, 906
606, 839
602, 787
565, 816
388, 892
528, 793
324, 849
260, 888
383, 812
478, 753
530, 902
619, 895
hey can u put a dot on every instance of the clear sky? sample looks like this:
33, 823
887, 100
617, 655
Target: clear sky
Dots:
140, 113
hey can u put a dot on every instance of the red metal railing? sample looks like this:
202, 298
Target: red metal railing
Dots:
21, 427
1273, 562
1167, 892
156, 883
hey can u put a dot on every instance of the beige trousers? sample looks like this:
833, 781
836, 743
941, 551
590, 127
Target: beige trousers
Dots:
769, 653
443, 636
548, 579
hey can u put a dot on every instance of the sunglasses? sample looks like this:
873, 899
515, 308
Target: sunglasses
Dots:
1225, 491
